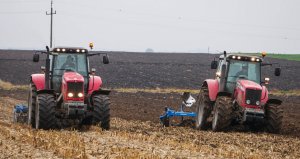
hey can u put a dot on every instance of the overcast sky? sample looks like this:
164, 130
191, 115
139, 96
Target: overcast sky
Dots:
163, 25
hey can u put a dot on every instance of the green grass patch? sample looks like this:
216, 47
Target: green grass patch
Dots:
294, 57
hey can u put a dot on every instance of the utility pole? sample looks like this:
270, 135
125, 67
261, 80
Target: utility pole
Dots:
51, 22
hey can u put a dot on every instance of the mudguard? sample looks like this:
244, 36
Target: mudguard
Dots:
213, 88
48, 91
101, 91
227, 94
38, 80
95, 83
274, 101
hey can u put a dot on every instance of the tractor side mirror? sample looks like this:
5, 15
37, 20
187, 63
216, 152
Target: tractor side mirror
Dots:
105, 59
214, 65
36, 58
277, 71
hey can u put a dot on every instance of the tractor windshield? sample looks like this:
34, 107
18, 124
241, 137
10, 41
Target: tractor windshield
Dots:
69, 62
242, 70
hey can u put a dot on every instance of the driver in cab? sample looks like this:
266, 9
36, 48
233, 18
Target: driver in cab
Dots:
243, 72
69, 64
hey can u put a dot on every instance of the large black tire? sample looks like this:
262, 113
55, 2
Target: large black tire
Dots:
101, 113
31, 104
203, 109
45, 112
222, 117
274, 116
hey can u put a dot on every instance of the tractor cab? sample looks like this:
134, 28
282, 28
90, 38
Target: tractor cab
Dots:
68, 60
236, 67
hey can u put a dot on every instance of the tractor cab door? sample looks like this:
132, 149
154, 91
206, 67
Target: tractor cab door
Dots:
65, 62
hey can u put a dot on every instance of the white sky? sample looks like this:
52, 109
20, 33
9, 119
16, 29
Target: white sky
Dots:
163, 25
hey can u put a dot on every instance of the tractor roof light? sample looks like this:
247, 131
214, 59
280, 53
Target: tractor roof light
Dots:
82, 50
63, 50
239, 57
252, 59
77, 50
233, 57
257, 60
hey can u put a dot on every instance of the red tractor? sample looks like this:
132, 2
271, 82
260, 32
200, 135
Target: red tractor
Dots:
67, 90
238, 95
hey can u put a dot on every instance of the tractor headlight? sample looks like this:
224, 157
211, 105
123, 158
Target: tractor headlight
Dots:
70, 95
80, 95
247, 101
257, 103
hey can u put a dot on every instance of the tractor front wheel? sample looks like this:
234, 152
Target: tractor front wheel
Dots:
45, 112
101, 113
203, 109
222, 113
31, 105
274, 115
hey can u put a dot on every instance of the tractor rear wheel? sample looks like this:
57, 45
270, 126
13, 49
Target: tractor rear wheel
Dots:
31, 105
203, 109
222, 113
101, 113
274, 115
45, 112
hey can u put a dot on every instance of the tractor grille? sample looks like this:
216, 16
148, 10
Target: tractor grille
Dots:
75, 88
253, 96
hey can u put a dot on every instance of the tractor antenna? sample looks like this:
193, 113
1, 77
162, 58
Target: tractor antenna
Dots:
51, 22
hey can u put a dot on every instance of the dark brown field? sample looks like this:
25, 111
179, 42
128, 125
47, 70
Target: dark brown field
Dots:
136, 131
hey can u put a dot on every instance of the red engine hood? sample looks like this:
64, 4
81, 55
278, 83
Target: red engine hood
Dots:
73, 77
249, 84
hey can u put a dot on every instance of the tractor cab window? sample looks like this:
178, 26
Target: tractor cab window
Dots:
242, 70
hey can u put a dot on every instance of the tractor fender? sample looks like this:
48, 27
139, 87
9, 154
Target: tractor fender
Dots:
101, 91
38, 80
227, 94
95, 83
213, 88
48, 91
274, 101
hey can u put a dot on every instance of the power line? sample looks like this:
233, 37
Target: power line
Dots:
51, 22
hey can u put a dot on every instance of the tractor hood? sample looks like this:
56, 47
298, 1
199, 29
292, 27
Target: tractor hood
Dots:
73, 77
247, 84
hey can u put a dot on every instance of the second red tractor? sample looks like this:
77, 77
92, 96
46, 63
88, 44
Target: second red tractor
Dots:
238, 95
